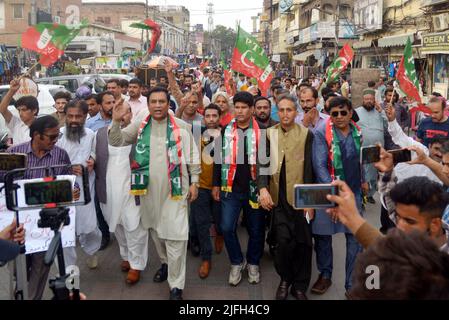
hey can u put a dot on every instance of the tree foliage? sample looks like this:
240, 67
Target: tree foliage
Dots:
226, 36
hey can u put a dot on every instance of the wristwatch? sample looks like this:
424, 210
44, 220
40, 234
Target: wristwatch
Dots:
196, 184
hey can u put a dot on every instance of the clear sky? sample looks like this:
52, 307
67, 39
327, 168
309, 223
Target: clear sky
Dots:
227, 12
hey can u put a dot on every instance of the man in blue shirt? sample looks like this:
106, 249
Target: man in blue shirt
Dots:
106, 101
336, 156
436, 124
310, 117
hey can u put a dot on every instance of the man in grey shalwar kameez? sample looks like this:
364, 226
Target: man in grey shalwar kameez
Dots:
372, 122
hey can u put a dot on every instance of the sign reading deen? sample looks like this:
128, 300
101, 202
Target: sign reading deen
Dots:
435, 43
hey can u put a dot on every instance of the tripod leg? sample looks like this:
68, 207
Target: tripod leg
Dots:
21, 292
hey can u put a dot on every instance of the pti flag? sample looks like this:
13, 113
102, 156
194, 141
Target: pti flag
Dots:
249, 58
408, 81
340, 64
155, 28
49, 40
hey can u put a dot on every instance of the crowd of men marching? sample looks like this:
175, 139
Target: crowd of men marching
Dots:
181, 159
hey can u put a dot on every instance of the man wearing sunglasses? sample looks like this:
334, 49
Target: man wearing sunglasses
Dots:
336, 156
41, 151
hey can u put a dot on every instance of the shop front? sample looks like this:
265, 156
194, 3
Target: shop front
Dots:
436, 47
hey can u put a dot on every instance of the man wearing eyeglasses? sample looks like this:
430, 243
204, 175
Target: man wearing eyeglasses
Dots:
41, 151
336, 156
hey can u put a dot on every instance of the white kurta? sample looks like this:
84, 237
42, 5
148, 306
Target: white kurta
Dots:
79, 153
120, 207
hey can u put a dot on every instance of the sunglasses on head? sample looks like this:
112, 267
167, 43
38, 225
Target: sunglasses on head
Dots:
343, 113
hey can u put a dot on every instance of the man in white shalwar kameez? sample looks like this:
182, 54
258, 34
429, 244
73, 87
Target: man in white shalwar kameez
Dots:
79, 142
164, 205
112, 185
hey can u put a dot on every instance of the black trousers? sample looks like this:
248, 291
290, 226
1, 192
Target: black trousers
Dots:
293, 255
102, 224
385, 220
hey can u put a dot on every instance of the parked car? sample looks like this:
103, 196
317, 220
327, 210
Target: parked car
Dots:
73, 82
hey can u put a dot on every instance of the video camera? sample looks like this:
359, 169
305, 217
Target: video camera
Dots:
51, 194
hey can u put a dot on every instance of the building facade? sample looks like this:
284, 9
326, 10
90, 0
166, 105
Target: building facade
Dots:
17, 15
424, 22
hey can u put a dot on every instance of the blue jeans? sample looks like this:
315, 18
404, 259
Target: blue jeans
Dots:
324, 256
201, 221
231, 205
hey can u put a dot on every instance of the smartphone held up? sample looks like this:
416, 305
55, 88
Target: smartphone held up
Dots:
314, 196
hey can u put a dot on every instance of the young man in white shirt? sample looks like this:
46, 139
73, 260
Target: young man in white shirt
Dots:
136, 101
28, 108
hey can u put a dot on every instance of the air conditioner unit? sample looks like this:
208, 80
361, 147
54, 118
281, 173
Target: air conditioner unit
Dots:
57, 19
440, 22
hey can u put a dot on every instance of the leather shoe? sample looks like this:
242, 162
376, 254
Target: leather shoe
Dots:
298, 295
321, 285
175, 294
133, 276
219, 241
204, 269
125, 266
282, 291
104, 242
162, 274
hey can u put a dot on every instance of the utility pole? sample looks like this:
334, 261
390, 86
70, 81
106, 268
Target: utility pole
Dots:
146, 17
337, 28
49, 6
33, 19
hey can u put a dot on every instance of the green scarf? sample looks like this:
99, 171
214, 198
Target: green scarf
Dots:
230, 152
140, 166
335, 163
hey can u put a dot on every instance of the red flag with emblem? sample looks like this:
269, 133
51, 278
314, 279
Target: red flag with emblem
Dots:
250, 59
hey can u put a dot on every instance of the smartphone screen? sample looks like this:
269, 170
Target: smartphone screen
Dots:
313, 196
401, 155
370, 154
11, 161
39, 193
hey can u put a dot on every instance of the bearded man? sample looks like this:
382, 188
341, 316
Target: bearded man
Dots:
79, 142
373, 122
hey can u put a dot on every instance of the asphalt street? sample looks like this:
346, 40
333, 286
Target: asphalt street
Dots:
107, 282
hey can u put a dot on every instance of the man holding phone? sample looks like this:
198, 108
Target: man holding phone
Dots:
336, 156
289, 148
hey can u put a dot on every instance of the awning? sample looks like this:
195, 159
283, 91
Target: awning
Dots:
362, 44
395, 41
303, 56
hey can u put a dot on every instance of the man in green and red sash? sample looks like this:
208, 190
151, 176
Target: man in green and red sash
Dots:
235, 186
336, 155
164, 177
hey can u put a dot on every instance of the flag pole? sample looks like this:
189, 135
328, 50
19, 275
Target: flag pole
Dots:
28, 73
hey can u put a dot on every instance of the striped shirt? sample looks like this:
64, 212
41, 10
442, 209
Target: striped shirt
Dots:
57, 156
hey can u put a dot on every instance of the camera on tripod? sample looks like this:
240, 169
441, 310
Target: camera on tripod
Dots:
52, 194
